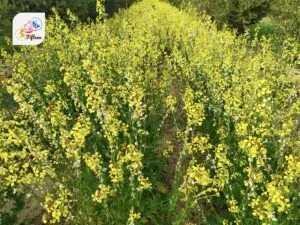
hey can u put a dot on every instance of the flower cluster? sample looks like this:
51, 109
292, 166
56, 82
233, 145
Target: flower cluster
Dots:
57, 207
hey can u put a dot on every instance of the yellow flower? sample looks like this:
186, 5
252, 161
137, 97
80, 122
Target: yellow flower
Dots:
116, 173
102, 193
171, 103
58, 208
233, 206
144, 183
93, 161
133, 216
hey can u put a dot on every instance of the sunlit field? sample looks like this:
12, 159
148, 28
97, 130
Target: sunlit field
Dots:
155, 115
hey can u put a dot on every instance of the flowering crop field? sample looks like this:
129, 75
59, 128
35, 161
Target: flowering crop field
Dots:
151, 117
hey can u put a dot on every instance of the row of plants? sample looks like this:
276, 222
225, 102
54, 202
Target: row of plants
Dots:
151, 117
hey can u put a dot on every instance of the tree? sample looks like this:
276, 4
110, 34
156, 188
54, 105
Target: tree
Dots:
112, 6
236, 14
286, 14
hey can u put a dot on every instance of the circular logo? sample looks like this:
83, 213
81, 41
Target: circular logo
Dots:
37, 23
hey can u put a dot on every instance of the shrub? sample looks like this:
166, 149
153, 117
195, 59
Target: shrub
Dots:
236, 14
286, 14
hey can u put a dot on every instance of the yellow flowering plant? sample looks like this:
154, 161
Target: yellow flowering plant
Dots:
96, 106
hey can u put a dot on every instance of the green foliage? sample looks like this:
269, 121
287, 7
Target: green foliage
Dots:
11, 208
112, 6
236, 14
286, 14
265, 27
7, 12
152, 117
84, 10
9, 8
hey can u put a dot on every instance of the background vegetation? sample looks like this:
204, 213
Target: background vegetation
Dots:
283, 16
